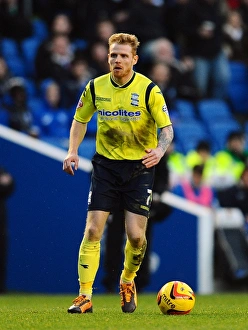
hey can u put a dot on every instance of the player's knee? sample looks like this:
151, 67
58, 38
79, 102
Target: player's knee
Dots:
136, 241
93, 233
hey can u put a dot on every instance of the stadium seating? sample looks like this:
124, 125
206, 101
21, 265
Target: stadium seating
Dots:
238, 87
55, 124
9, 48
189, 133
29, 48
239, 72
17, 66
238, 94
185, 108
213, 109
210, 119
220, 129
40, 29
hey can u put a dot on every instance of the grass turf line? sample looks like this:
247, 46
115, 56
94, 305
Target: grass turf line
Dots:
42, 312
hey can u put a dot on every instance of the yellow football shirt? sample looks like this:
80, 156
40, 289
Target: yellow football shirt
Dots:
128, 116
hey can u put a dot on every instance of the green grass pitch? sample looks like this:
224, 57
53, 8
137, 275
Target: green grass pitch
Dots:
40, 312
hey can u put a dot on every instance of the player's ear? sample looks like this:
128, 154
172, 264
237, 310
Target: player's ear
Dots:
135, 59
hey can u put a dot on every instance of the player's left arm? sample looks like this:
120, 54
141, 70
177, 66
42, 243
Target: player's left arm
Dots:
153, 156
161, 116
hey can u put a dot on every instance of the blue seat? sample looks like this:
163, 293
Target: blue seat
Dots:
238, 87
190, 128
189, 144
220, 130
80, 44
40, 29
9, 48
29, 47
189, 133
238, 95
55, 124
239, 72
185, 108
213, 109
17, 66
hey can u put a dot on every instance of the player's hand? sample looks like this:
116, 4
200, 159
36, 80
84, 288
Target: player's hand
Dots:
71, 163
152, 157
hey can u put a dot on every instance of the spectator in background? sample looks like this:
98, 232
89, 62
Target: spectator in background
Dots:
46, 9
236, 195
243, 9
203, 32
202, 156
230, 162
233, 4
177, 166
98, 47
146, 19
80, 73
56, 64
103, 30
120, 13
60, 25
20, 116
6, 189
162, 50
175, 13
194, 189
13, 22
160, 73
53, 118
97, 54
50, 95
236, 38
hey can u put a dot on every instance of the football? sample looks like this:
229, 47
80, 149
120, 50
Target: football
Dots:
176, 298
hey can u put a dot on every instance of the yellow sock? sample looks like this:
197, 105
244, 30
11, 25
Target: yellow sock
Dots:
133, 260
88, 263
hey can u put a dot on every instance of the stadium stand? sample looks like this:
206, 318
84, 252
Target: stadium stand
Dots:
29, 48
238, 87
211, 119
186, 109
9, 48
213, 109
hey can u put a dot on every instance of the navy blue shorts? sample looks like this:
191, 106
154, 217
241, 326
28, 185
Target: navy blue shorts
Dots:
120, 182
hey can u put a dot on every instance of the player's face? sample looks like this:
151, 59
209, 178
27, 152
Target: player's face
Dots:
121, 61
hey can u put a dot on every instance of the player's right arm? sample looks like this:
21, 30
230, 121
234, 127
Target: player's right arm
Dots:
77, 133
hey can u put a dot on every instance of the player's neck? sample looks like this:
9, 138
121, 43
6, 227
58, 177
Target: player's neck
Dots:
122, 82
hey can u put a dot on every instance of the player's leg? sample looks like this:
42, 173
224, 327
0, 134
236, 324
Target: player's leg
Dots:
135, 245
88, 260
113, 253
134, 253
136, 201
